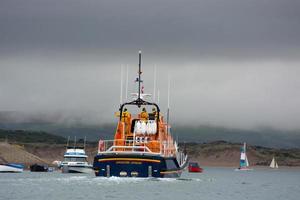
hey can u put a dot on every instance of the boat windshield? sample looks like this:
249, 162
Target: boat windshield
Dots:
75, 159
194, 165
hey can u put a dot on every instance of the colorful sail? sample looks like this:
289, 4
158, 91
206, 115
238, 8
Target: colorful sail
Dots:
243, 159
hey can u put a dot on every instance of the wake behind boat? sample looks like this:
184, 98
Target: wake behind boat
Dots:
142, 145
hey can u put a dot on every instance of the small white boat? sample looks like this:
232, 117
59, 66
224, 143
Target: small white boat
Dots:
244, 163
75, 160
274, 164
11, 168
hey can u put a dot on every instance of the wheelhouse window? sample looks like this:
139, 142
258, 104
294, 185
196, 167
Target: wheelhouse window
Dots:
75, 159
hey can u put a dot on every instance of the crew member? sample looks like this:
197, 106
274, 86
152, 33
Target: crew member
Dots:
144, 115
126, 118
125, 115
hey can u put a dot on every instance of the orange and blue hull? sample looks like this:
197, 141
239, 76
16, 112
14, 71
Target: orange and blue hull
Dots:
132, 165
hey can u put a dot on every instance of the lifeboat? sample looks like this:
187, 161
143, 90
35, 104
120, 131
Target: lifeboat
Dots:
142, 146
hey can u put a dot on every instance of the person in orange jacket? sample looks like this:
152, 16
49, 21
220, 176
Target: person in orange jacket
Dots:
125, 115
144, 115
126, 118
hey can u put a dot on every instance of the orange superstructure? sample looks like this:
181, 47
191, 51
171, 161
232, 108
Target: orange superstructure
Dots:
157, 140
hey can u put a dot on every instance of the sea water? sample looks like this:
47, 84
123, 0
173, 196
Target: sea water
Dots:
214, 183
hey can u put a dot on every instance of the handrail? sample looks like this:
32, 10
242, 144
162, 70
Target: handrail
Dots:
129, 146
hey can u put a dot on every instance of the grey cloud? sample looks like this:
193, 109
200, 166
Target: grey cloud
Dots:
188, 28
233, 63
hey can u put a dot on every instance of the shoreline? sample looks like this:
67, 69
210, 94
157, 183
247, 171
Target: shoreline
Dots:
219, 154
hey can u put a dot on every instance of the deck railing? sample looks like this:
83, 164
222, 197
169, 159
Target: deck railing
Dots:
131, 146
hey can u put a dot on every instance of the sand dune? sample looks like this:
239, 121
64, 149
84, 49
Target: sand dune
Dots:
17, 154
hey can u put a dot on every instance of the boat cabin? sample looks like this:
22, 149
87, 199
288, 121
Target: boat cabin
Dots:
140, 131
75, 155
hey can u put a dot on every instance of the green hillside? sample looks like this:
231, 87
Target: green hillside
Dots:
22, 136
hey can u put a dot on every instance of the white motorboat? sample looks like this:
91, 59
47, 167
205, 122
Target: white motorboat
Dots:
75, 161
11, 167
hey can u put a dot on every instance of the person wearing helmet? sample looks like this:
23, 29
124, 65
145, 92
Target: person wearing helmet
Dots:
126, 118
144, 114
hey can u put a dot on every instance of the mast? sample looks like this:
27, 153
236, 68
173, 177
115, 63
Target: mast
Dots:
84, 142
154, 84
246, 159
121, 85
74, 142
68, 142
126, 86
140, 63
168, 110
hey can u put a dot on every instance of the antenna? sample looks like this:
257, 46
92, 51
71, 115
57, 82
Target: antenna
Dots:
121, 85
154, 84
140, 63
68, 142
74, 142
169, 80
168, 110
126, 86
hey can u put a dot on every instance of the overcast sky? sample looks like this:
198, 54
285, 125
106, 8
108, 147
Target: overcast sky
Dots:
232, 63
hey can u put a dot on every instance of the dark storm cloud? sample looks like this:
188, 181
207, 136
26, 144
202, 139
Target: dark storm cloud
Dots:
210, 27
233, 63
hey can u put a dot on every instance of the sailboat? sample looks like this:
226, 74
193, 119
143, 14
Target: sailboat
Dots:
244, 163
274, 164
